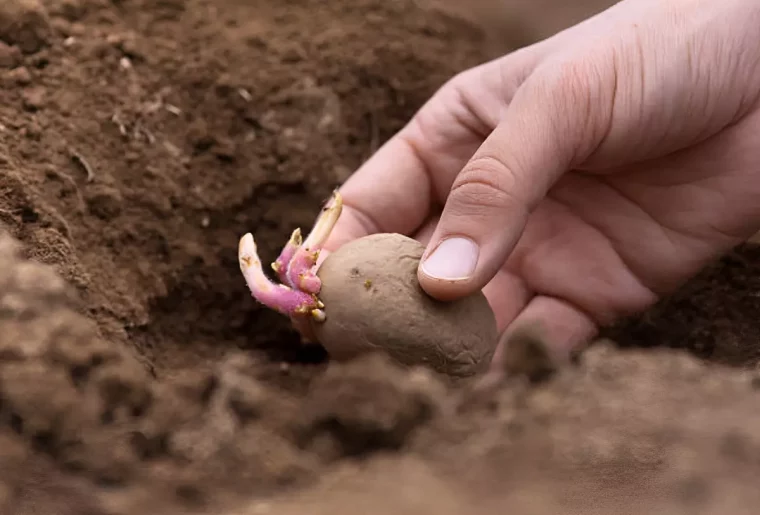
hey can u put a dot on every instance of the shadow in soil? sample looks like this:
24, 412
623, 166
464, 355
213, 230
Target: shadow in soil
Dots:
209, 311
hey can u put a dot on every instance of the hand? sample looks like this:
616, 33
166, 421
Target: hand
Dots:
583, 177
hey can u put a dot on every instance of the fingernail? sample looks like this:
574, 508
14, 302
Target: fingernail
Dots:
453, 259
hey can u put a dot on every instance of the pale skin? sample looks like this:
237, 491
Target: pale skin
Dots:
591, 173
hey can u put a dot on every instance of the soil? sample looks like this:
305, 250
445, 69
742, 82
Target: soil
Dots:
141, 138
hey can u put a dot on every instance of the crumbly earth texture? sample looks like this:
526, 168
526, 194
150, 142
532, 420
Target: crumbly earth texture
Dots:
375, 303
141, 139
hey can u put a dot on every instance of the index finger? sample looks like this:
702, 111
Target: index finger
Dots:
390, 192
396, 189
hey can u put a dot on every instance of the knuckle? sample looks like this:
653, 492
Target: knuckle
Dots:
452, 88
441, 111
581, 94
569, 75
568, 85
462, 79
573, 72
486, 183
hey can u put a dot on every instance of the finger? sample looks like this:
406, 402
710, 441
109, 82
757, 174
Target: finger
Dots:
552, 123
507, 295
389, 193
427, 230
395, 190
554, 326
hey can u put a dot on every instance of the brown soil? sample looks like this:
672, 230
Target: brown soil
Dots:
141, 138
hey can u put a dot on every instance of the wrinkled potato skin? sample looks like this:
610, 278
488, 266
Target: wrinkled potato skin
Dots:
373, 301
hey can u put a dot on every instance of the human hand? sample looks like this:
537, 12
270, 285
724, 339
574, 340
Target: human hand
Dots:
583, 177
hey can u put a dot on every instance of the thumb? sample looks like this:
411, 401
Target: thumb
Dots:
551, 124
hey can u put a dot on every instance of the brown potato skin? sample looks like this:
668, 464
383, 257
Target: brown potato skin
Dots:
373, 301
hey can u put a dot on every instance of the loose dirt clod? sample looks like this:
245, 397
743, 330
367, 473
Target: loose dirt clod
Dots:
394, 314
25, 23
525, 353
363, 407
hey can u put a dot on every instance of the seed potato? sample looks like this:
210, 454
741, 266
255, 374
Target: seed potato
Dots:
373, 301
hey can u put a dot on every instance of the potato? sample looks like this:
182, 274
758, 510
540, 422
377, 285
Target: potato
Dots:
373, 301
